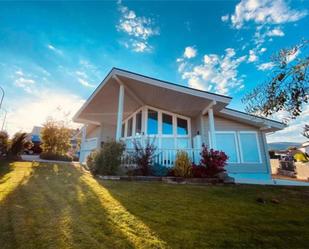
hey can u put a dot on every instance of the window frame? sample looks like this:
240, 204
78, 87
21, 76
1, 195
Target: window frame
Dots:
257, 143
236, 144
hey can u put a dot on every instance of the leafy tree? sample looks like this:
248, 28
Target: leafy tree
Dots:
288, 86
305, 132
55, 137
17, 145
4, 143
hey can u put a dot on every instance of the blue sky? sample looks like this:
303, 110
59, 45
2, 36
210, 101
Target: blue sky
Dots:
54, 54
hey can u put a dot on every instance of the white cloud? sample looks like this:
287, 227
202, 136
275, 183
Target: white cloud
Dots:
275, 32
264, 12
225, 18
190, 52
85, 83
23, 81
216, 73
293, 132
266, 66
262, 50
34, 110
54, 49
140, 28
252, 56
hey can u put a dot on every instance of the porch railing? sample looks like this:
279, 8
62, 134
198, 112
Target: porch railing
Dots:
162, 157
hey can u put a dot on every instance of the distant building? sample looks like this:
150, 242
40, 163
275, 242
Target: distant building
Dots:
305, 147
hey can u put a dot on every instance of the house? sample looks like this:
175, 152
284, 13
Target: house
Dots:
128, 106
305, 147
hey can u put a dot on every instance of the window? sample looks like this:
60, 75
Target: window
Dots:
122, 130
167, 124
182, 126
183, 143
138, 127
130, 126
152, 122
167, 143
249, 147
227, 143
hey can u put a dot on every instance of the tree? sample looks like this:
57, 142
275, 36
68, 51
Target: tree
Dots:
55, 137
17, 145
305, 132
4, 143
288, 86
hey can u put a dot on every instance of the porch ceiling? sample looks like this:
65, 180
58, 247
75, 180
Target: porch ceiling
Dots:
140, 90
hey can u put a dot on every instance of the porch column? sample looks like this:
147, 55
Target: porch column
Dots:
120, 112
212, 128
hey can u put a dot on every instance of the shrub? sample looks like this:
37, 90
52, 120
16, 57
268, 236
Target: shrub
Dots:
4, 141
55, 157
143, 156
182, 165
214, 162
199, 171
17, 145
107, 160
159, 170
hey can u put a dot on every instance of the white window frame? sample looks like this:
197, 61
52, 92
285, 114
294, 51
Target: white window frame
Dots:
257, 143
240, 159
236, 144
159, 135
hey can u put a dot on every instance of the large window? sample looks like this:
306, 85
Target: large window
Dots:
249, 147
182, 126
226, 141
167, 124
152, 122
138, 126
130, 126
122, 129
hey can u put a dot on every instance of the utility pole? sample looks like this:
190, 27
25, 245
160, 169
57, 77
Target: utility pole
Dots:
3, 93
3, 122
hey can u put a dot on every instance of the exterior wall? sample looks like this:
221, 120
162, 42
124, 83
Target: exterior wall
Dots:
302, 170
222, 124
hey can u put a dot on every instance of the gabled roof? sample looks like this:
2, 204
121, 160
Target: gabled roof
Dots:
224, 100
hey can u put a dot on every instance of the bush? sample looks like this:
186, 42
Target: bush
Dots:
159, 170
107, 160
143, 156
214, 162
182, 165
55, 157
199, 171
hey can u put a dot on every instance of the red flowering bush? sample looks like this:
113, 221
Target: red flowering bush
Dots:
212, 162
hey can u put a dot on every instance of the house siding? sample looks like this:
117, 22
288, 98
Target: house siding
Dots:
223, 124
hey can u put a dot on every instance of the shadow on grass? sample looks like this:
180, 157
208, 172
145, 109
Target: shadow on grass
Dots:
187, 216
55, 207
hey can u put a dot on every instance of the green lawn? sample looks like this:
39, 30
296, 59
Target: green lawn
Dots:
58, 206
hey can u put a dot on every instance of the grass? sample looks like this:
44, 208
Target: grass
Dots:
60, 206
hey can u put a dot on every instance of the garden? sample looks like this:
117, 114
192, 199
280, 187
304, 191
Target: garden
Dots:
109, 161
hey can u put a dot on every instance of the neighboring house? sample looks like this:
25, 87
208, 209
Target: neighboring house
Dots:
129, 106
305, 147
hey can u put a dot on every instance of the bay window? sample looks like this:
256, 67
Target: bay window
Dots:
138, 125
167, 124
182, 126
130, 127
152, 122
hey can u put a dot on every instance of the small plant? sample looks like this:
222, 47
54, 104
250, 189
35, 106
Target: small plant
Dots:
214, 161
143, 156
107, 160
182, 165
17, 145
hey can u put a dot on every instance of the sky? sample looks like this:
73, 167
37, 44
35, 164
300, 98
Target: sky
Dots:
54, 54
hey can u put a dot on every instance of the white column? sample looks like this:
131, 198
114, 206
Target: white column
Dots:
120, 112
212, 128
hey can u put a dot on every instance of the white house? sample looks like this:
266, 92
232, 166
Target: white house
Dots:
127, 106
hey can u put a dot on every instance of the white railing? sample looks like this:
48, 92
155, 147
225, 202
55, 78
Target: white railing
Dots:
163, 157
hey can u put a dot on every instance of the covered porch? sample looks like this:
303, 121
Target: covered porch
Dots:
130, 107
